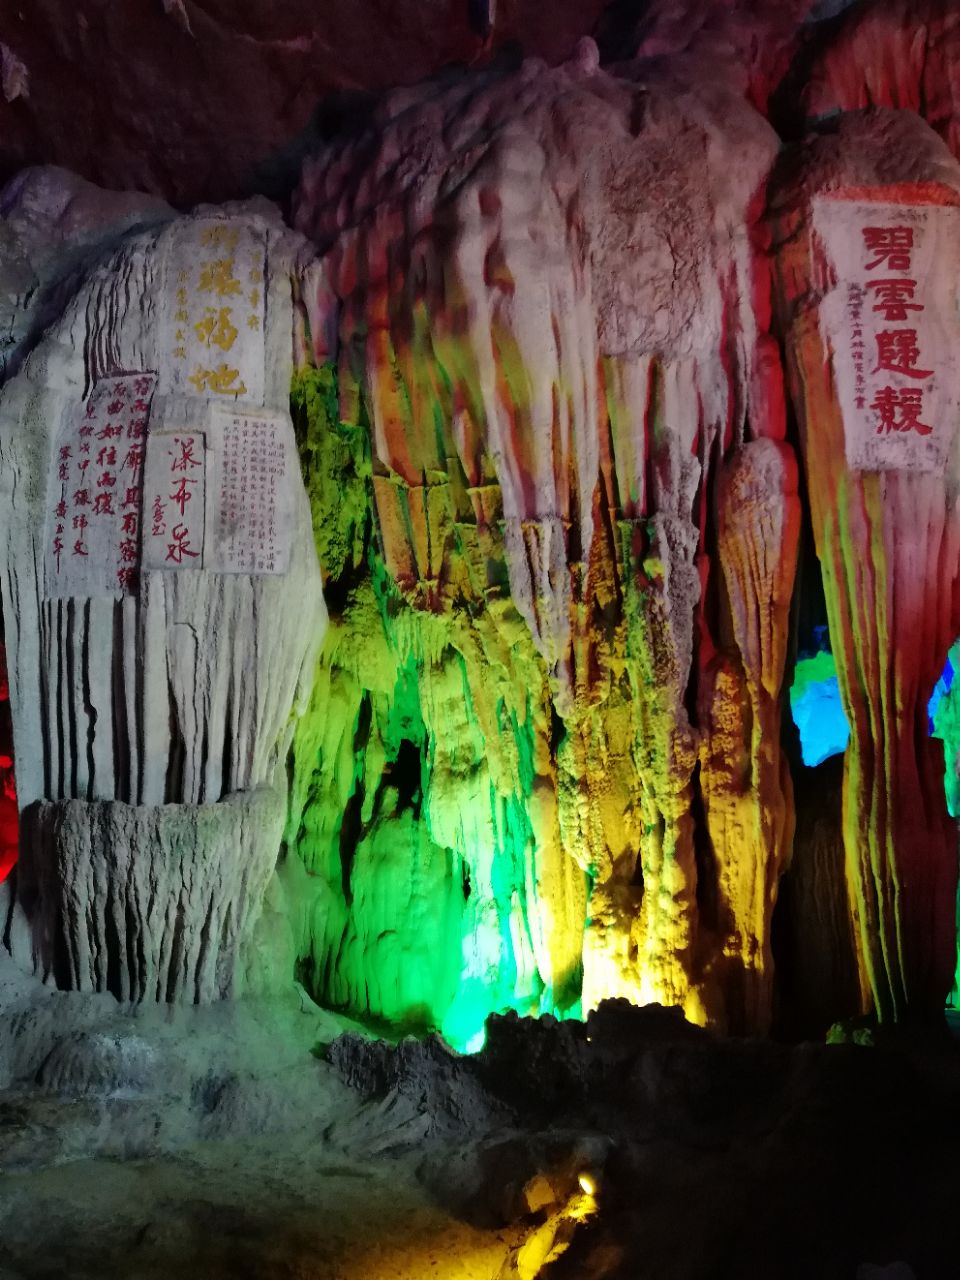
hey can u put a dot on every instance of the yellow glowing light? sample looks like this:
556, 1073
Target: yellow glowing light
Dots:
587, 1184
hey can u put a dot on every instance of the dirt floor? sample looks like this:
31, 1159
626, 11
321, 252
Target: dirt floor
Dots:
268, 1139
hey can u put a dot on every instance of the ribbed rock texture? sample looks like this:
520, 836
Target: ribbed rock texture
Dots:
149, 902
889, 546
137, 712
895, 53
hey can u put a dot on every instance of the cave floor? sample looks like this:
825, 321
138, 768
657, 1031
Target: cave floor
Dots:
268, 1139
254, 1208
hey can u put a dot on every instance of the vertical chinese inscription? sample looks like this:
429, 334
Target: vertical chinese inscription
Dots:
253, 512
174, 501
215, 335
95, 491
891, 324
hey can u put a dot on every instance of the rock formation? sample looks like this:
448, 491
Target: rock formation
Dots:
151, 714
517, 378
888, 539
538, 425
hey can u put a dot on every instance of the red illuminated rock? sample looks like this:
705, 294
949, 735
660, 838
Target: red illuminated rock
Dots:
203, 99
904, 54
889, 542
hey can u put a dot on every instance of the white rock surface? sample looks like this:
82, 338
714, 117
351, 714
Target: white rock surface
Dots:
186, 693
53, 225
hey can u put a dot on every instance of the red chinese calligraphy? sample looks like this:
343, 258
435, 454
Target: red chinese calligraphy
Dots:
892, 246
180, 546
182, 495
898, 352
184, 458
101, 508
899, 409
894, 298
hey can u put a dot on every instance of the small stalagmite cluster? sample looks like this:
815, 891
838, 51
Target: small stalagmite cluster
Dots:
409, 602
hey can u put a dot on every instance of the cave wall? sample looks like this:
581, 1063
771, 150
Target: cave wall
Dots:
566, 411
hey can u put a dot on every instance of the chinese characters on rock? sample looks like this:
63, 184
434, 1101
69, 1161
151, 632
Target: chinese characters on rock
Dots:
120, 497
220, 500
175, 497
252, 531
96, 489
215, 336
891, 325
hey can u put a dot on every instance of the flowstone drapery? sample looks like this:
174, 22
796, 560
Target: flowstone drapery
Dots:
888, 540
555, 382
152, 712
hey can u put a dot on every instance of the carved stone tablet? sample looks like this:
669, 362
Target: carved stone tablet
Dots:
95, 491
891, 325
214, 334
253, 507
174, 494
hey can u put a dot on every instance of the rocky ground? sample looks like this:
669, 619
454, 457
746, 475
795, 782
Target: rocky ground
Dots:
272, 1140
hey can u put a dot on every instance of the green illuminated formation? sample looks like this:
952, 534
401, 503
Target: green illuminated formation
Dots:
558, 531
944, 711
425, 907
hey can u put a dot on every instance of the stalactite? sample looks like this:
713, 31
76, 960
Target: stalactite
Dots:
530, 307
747, 793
